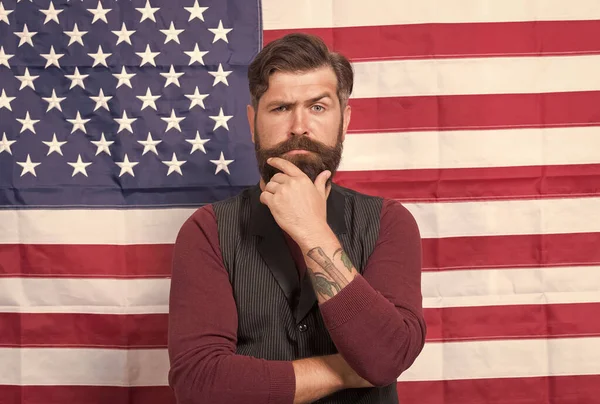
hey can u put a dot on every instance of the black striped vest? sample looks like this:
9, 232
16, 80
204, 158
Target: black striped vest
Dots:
278, 316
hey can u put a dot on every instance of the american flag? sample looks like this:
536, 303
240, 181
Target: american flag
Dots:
119, 117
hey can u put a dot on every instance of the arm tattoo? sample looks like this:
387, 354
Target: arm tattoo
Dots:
318, 255
323, 285
345, 259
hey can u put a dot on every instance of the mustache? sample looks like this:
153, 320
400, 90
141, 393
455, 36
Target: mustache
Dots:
298, 143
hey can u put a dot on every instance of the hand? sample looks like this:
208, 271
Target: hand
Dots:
298, 206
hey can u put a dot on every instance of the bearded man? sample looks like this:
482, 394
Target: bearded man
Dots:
296, 290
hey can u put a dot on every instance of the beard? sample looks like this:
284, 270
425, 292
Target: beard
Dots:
321, 158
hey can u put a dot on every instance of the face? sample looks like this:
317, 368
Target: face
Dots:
299, 118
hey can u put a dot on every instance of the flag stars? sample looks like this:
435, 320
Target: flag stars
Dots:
126, 166
196, 55
196, 11
172, 77
99, 57
125, 122
99, 13
174, 165
222, 164
77, 78
173, 121
25, 36
147, 56
102, 145
51, 13
149, 144
78, 123
54, 101
75, 35
4, 57
124, 77
5, 100
101, 100
28, 166
124, 34
147, 12
4, 14
79, 166
196, 99
197, 143
5, 144
27, 80
220, 32
52, 57
148, 100
220, 75
27, 123
172, 34
54, 145
221, 120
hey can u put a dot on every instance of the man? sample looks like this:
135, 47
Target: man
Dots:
296, 290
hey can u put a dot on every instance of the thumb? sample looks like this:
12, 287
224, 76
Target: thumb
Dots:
321, 181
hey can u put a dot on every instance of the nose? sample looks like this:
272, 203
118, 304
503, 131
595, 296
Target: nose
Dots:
299, 125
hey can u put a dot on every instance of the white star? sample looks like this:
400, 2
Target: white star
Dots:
196, 11
27, 80
99, 57
196, 98
149, 144
147, 56
126, 166
221, 120
78, 123
124, 77
197, 143
147, 11
101, 100
172, 77
54, 101
76, 78
172, 33
5, 144
222, 164
25, 36
4, 57
27, 123
102, 145
125, 122
51, 13
149, 100
4, 14
220, 32
52, 57
79, 166
124, 35
54, 145
99, 13
75, 35
5, 101
173, 121
220, 76
196, 55
28, 166
174, 165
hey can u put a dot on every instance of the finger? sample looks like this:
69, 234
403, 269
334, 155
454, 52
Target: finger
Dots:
287, 167
265, 198
321, 182
280, 178
272, 187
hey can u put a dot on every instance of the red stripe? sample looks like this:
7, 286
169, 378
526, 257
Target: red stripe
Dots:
447, 324
114, 261
451, 184
529, 38
480, 111
528, 390
541, 250
85, 395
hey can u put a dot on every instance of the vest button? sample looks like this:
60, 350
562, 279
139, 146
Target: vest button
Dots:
302, 327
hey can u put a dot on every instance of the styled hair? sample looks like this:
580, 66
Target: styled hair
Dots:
298, 53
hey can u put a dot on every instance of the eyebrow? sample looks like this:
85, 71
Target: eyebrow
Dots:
286, 103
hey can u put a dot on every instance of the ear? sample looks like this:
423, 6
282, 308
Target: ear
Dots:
251, 114
347, 114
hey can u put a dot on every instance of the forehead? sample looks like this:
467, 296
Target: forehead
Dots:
297, 86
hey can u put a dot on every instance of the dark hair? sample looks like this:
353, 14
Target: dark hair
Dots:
298, 52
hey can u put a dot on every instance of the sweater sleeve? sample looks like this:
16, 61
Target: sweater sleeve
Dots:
202, 332
377, 321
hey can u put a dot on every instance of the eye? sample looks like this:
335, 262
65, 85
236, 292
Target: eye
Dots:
318, 108
280, 108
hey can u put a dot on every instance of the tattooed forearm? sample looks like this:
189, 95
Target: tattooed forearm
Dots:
323, 285
345, 259
318, 255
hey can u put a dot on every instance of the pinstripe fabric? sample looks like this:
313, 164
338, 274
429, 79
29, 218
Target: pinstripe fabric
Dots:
268, 294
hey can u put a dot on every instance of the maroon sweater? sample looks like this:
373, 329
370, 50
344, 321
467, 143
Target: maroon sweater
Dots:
376, 321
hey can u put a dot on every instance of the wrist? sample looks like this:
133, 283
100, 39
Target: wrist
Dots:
315, 235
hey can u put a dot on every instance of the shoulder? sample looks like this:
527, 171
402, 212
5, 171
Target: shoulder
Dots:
397, 219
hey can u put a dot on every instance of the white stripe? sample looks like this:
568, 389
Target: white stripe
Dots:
500, 359
435, 220
291, 14
83, 367
502, 287
456, 288
498, 75
438, 361
471, 148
